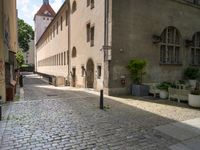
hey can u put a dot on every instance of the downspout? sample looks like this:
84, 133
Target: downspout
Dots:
69, 41
106, 23
106, 82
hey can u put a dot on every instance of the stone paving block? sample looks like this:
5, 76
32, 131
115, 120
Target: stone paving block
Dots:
193, 143
179, 146
72, 120
178, 131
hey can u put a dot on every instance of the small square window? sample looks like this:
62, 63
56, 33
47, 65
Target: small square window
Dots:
99, 72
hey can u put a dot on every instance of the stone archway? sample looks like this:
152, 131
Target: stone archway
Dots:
90, 74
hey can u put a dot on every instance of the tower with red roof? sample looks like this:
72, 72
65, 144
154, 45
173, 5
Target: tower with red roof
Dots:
42, 19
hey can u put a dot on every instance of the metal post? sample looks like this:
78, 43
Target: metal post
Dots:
21, 80
0, 109
101, 99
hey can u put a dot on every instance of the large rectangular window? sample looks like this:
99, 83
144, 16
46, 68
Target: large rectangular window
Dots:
54, 31
67, 17
88, 32
195, 50
88, 2
61, 23
57, 27
92, 37
170, 46
64, 58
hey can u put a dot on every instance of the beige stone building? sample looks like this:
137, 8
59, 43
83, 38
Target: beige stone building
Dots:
8, 44
90, 42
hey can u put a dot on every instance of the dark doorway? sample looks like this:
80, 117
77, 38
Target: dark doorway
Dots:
90, 74
74, 77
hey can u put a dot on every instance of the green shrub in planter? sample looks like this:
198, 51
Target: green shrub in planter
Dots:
165, 86
136, 68
192, 73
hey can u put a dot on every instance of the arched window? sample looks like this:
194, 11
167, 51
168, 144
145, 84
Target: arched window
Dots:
195, 50
170, 46
74, 52
74, 7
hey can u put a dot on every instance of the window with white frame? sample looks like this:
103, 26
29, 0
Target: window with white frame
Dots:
170, 46
195, 50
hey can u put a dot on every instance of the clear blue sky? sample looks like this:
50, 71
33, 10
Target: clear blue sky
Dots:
28, 8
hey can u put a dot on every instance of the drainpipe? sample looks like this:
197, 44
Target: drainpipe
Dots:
106, 82
69, 40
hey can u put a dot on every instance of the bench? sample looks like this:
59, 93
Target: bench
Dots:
153, 88
179, 94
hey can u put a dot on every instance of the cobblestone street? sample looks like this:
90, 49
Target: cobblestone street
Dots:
65, 118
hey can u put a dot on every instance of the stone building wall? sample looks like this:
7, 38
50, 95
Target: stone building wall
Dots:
76, 66
83, 16
52, 47
132, 31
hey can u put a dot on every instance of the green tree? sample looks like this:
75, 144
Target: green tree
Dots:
20, 58
25, 35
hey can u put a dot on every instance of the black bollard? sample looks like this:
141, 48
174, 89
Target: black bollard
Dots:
101, 99
21, 80
0, 109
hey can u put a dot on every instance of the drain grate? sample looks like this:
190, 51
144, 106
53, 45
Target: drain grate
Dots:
51, 95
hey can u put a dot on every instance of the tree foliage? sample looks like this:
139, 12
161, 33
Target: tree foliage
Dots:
20, 58
25, 35
136, 68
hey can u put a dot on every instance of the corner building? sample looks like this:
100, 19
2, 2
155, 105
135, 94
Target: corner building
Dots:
90, 42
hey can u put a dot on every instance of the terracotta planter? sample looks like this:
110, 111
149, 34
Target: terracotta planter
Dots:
194, 100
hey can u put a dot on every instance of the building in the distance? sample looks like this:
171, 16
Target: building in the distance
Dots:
90, 42
8, 46
42, 18
29, 55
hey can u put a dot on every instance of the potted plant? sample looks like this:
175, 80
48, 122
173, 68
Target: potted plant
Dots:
192, 74
194, 98
136, 68
163, 87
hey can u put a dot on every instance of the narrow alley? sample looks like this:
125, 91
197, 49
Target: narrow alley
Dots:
65, 118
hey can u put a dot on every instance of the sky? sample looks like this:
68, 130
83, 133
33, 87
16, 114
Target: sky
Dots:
28, 8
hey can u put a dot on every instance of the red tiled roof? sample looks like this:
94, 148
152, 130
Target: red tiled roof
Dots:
44, 7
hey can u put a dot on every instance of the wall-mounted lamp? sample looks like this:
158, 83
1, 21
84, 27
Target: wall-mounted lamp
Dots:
123, 80
188, 43
156, 39
121, 50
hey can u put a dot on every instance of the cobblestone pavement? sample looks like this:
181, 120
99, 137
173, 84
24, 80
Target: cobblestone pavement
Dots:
64, 118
